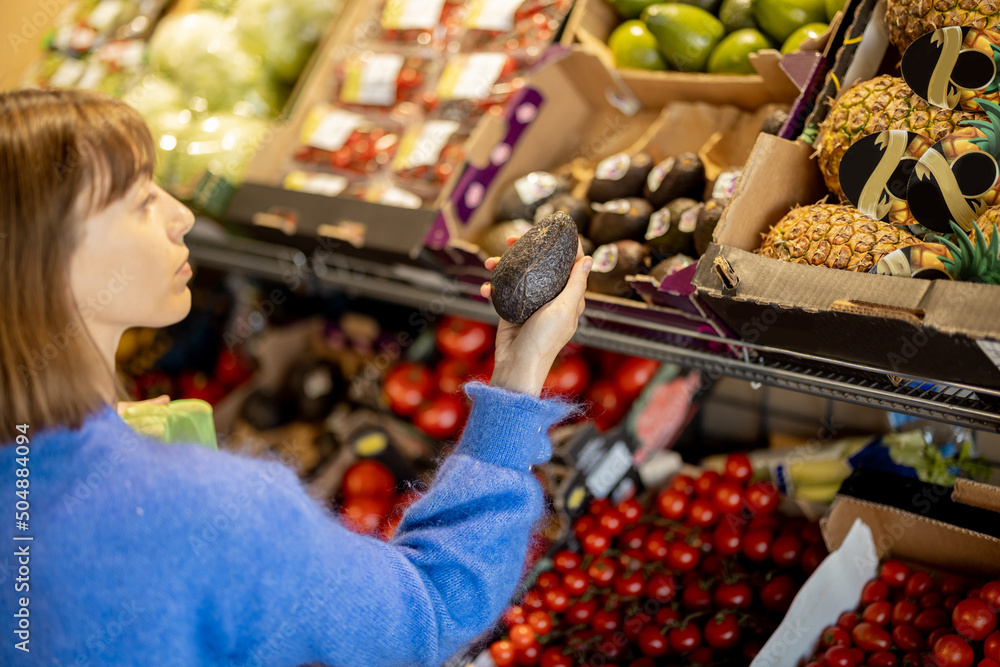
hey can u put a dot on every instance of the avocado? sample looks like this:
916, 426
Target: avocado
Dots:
614, 261
724, 185
574, 207
620, 219
524, 195
265, 409
680, 176
773, 123
710, 6
671, 228
315, 386
619, 176
686, 34
494, 239
708, 218
535, 269
670, 265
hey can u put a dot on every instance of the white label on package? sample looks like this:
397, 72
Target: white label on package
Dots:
427, 148
610, 470
479, 75
378, 79
67, 74
493, 14
104, 15
329, 185
412, 14
332, 131
991, 349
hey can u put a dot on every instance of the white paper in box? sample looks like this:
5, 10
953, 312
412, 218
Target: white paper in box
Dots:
835, 587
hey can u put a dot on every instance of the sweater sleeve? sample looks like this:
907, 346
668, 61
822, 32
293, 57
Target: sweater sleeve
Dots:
310, 590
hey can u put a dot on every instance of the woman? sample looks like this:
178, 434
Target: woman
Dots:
149, 554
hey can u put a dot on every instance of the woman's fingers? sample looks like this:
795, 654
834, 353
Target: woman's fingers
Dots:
486, 289
491, 263
511, 240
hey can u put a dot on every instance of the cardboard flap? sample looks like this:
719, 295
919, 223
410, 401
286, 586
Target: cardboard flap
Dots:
912, 316
963, 307
977, 494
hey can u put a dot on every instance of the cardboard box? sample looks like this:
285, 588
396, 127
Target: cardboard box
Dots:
861, 534
940, 330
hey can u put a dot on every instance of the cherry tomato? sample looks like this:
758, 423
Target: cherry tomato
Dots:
917, 584
568, 377
685, 484
777, 594
634, 623
930, 600
672, 504
599, 506
937, 634
365, 514
883, 659
812, 557
727, 538
633, 374
576, 582
737, 595
584, 525
553, 656
580, 612
839, 656
951, 602
459, 338
991, 646
727, 496
722, 632
931, 619
834, 635
540, 621
602, 571
762, 498
606, 404
629, 586
657, 547
988, 662
528, 656
661, 588
441, 418
702, 513
547, 580
521, 635
904, 611
696, 598
407, 386
953, 585
991, 593
738, 468
533, 600
596, 542
786, 551
566, 561
611, 522
812, 534
870, 637
894, 573
633, 538
502, 653
368, 477
652, 642
913, 659
631, 510
757, 545
874, 591
848, 620
683, 557
712, 564
973, 619
605, 621
513, 616
877, 612
953, 651
706, 482
685, 638
556, 599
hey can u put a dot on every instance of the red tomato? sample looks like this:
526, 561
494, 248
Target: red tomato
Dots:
848, 620
533, 600
683, 557
762, 497
883, 659
442, 417
706, 482
727, 496
973, 619
777, 594
834, 635
584, 525
631, 510
566, 561
599, 506
894, 573
556, 599
702, 513
953, 585
757, 545
629, 586
786, 551
633, 374
521, 635
553, 656
839, 656
685, 638
513, 616
407, 386
502, 653
667, 617
813, 556
364, 514
580, 612
611, 522
672, 504
547, 580
738, 468
874, 591
368, 477
918, 584
877, 612
931, 619
451, 374
661, 588
633, 538
568, 377
953, 651
987, 662
991, 647
605, 621
904, 611
596, 542
652, 642
931, 600
602, 571
696, 598
722, 632
576, 582
607, 405
937, 634
870, 637
991, 593
528, 655
684, 483
464, 339
738, 595
907, 638
540, 621
727, 539
634, 623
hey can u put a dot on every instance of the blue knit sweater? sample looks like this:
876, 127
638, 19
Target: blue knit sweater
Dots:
151, 554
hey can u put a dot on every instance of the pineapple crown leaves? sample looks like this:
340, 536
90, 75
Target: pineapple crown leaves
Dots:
994, 86
991, 128
974, 263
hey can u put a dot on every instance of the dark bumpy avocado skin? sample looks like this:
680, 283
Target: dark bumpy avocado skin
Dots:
535, 269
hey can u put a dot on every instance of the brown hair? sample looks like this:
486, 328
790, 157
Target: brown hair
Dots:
64, 155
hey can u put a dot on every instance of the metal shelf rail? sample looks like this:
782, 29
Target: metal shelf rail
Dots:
965, 405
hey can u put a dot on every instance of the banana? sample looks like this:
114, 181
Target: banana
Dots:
817, 493
819, 472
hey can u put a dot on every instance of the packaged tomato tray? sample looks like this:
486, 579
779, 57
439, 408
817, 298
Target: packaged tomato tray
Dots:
699, 574
384, 79
475, 82
509, 25
430, 153
424, 23
348, 141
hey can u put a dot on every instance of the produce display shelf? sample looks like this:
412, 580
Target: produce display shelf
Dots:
422, 288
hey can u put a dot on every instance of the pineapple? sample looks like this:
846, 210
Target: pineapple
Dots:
832, 235
910, 19
883, 103
977, 261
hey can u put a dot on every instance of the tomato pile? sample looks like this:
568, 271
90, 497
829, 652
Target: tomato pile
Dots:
706, 574
909, 618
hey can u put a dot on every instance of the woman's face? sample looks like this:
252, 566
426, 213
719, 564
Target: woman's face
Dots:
130, 267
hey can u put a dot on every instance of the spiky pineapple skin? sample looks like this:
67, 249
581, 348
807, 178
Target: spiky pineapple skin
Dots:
910, 19
882, 103
834, 236
986, 222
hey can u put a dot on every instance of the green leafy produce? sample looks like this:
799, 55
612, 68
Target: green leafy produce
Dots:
283, 32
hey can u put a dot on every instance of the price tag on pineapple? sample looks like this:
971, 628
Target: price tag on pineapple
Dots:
327, 128
472, 77
495, 15
412, 14
421, 146
372, 81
